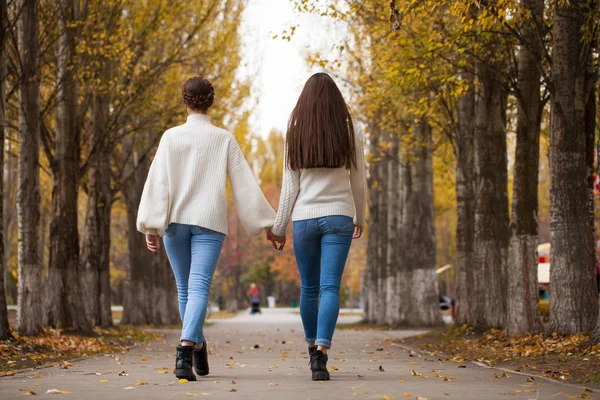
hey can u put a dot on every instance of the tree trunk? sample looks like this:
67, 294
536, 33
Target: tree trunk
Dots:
65, 306
4, 326
150, 292
491, 206
523, 313
465, 205
418, 231
573, 299
394, 282
95, 253
29, 316
372, 270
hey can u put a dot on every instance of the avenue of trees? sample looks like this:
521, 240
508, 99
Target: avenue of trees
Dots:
476, 76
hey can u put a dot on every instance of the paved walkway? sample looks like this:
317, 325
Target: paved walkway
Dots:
264, 357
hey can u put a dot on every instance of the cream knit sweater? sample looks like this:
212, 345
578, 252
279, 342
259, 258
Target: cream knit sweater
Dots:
320, 192
186, 182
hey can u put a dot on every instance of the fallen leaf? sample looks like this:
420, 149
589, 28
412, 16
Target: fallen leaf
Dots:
413, 362
56, 391
584, 395
381, 368
446, 379
29, 393
530, 379
183, 381
273, 384
231, 390
406, 395
415, 373
103, 380
334, 368
143, 359
139, 383
123, 373
191, 394
233, 382
462, 366
505, 375
129, 388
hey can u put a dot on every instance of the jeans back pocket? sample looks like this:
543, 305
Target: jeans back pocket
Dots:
339, 224
300, 228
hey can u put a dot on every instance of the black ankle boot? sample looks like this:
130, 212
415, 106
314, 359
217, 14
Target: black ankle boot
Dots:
311, 351
201, 360
183, 363
318, 365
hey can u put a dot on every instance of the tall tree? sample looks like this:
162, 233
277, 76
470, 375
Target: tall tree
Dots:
523, 299
465, 202
574, 300
4, 327
64, 298
418, 230
491, 192
29, 315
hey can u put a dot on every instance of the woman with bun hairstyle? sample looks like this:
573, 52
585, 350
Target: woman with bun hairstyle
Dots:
184, 201
323, 191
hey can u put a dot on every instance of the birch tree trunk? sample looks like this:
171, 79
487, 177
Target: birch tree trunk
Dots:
382, 243
4, 326
29, 315
418, 231
65, 306
491, 206
95, 254
573, 298
523, 313
465, 205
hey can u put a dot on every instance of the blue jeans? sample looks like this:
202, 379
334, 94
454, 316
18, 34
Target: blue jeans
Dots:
321, 247
193, 253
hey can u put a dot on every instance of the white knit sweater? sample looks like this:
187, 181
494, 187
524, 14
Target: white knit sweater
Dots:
186, 182
320, 192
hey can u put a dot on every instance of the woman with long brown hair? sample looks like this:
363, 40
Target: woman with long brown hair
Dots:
324, 192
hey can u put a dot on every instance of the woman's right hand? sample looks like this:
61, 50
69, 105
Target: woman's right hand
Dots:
153, 243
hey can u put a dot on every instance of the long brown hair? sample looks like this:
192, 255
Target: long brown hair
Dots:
320, 130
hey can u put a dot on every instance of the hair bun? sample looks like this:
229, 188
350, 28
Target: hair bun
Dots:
198, 94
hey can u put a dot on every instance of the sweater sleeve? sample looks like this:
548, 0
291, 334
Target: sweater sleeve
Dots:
252, 206
153, 212
289, 193
358, 182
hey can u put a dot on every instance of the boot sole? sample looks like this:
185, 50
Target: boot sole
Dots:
181, 374
320, 376
201, 372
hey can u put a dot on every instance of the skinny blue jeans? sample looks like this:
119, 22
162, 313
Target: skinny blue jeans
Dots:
193, 253
321, 246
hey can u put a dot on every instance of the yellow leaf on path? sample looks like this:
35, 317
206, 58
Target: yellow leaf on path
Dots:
435, 375
334, 368
56, 391
233, 382
413, 362
446, 379
215, 382
29, 393
191, 394
139, 383
584, 395
123, 373
273, 384
183, 381
274, 366
402, 380
103, 380
505, 375
406, 395
143, 359
530, 379
415, 373
231, 390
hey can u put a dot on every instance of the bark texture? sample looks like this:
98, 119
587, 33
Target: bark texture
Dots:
4, 326
573, 302
465, 204
65, 306
95, 252
491, 207
29, 315
523, 313
418, 232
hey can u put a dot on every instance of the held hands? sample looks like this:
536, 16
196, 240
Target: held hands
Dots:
278, 242
153, 243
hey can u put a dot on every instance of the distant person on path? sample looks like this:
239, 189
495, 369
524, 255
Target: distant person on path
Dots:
254, 295
324, 192
184, 200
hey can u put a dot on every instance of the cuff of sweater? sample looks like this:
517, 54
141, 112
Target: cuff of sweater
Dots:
279, 230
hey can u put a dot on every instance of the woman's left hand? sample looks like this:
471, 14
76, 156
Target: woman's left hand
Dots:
358, 230
153, 243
